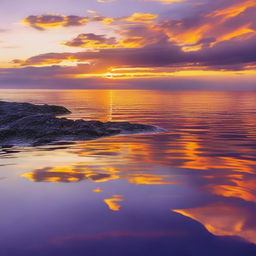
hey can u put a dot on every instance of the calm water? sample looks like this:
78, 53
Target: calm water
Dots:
188, 191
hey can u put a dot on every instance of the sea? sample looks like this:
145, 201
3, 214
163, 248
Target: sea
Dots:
188, 190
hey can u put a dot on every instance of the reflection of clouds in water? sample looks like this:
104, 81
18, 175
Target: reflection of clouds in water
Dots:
62, 174
208, 150
66, 174
226, 218
97, 190
113, 203
236, 185
149, 179
176, 149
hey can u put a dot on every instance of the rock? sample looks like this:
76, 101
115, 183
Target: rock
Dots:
30, 125
25, 109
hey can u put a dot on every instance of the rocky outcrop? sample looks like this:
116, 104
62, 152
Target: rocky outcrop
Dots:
30, 125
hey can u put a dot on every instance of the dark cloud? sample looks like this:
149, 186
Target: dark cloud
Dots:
148, 56
228, 53
45, 78
224, 55
220, 21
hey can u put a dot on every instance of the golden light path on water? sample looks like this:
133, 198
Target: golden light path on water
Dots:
202, 167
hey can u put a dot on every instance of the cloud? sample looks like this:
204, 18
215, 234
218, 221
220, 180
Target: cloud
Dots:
47, 21
142, 17
226, 55
141, 35
91, 40
221, 36
135, 36
235, 21
43, 22
66, 78
126, 56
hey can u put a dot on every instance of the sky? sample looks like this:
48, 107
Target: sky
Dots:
127, 44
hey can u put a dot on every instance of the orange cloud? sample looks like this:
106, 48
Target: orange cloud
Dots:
91, 40
103, 19
233, 10
54, 20
233, 22
211, 27
142, 17
46, 21
239, 33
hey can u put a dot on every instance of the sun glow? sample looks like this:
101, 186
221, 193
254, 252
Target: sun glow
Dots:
137, 73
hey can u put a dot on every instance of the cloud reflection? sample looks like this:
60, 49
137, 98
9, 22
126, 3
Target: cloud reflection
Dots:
113, 203
63, 174
225, 218
76, 174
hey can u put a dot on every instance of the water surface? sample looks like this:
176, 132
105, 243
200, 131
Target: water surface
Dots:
188, 191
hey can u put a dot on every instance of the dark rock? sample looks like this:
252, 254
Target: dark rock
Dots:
28, 124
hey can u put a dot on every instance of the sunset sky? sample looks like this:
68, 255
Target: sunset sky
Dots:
145, 44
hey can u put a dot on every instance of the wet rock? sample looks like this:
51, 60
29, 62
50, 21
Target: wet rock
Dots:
30, 125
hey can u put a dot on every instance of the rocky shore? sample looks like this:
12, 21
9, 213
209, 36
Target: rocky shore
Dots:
25, 124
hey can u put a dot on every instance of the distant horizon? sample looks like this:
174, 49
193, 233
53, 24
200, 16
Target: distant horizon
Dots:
125, 89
